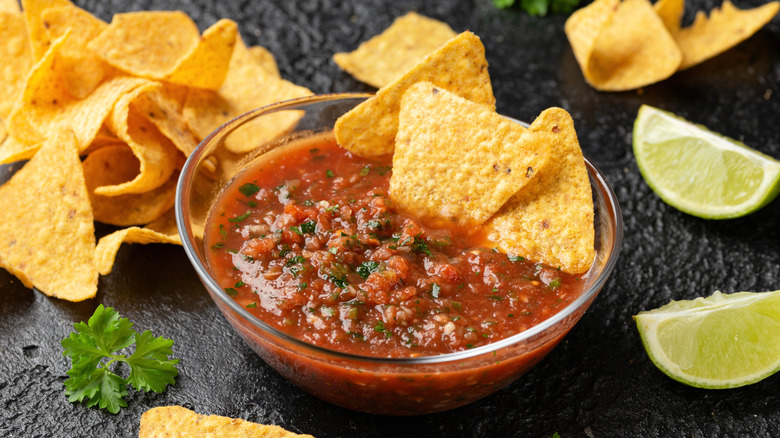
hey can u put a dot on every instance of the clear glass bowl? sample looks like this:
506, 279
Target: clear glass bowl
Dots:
395, 386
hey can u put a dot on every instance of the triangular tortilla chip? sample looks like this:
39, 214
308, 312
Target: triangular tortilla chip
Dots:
108, 246
113, 165
10, 6
166, 45
47, 106
176, 421
458, 66
81, 70
725, 28
156, 154
622, 45
46, 228
265, 59
463, 164
551, 219
247, 86
670, 12
17, 60
166, 224
387, 56
162, 107
36, 27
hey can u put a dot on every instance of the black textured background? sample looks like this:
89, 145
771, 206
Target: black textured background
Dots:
597, 383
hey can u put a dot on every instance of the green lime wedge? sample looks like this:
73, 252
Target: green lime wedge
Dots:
722, 341
700, 172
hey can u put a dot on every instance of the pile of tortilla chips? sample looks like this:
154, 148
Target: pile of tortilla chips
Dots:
456, 160
106, 114
623, 45
176, 421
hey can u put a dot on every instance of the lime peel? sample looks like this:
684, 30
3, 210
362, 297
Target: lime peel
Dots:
701, 172
722, 341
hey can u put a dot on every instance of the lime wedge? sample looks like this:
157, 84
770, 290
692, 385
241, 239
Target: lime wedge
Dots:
722, 341
700, 172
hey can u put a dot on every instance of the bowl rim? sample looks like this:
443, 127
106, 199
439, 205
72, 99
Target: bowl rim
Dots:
185, 232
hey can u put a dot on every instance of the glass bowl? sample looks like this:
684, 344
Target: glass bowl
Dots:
394, 386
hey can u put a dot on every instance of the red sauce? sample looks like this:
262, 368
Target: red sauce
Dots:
309, 241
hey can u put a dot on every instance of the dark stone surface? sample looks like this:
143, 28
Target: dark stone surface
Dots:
597, 383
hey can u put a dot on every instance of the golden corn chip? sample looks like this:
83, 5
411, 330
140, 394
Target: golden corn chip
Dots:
463, 164
81, 70
46, 228
207, 65
36, 27
148, 43
551, 219
247, 86
162, 107
724, 29
624, 47
11, 150
166, 224
17, 60
3, 134
157, 156
458, 66
166, 45
176, 421
265, 59
47, 106
395, 51
108, 246
10, 6
114, 165
670, 12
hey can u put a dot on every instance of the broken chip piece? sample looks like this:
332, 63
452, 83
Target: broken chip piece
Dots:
176, 421
387, 56
458, 66
46, 228
551, 219
622, 45
463, 164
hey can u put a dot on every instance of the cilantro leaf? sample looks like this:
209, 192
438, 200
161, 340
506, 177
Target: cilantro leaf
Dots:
539, 8
102, 337
503, 4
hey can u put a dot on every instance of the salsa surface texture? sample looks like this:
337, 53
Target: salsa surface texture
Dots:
308, 241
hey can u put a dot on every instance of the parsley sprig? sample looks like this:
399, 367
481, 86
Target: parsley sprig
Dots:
540, 8
94, 347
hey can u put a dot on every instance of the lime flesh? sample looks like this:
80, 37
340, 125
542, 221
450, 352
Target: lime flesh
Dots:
701, 172
722, 341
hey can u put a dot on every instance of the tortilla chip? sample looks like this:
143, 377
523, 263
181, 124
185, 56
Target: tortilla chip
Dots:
116, 164
206, 66
166, 45
387, 56
47, 106
162, 107
670, 12
36, 27
247, 86
17, 60
46, 228
176, 421
463, 164
265, 59
148, 43
551, 219
81, 70
724, 29
458, 66
624, 47
10, 6
108, 246
166, 224
155, 153
11, 150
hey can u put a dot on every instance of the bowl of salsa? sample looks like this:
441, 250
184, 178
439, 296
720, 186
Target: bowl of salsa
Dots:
358, 303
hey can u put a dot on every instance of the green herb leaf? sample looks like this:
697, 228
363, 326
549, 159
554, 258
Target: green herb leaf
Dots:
102, 337
248, 189
503, 4
238, 218
421, 246
366, 268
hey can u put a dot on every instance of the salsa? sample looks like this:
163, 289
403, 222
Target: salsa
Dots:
309, 241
